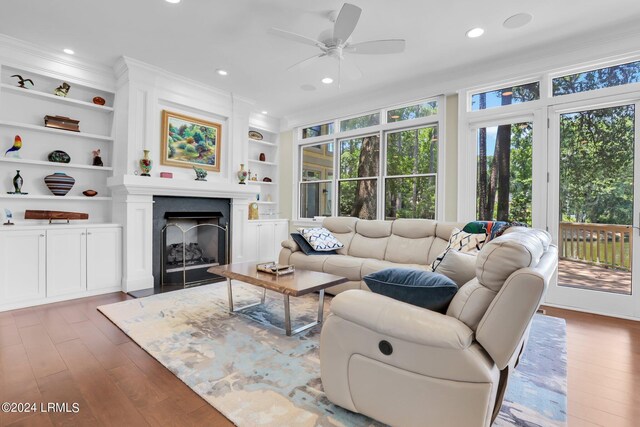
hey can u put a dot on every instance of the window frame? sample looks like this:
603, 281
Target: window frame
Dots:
381, 130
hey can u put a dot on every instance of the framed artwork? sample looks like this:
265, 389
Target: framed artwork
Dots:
189, 142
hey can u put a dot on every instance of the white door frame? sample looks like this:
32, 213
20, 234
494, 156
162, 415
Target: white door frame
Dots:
618, 305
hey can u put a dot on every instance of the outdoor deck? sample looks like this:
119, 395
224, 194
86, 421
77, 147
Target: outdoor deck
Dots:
577, 274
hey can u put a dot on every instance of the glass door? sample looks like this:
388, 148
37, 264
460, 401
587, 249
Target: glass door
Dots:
593, 206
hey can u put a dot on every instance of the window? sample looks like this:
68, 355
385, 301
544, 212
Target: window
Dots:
317, 130
412, 112
410, 181
505, 96
504, 172
360, 122
358, 183
597, 79
316, 181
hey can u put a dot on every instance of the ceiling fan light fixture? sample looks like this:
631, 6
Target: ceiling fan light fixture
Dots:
222, 72
327, 80
475, 32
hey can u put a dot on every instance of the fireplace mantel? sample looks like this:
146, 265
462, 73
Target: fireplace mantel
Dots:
152, 186
133, 208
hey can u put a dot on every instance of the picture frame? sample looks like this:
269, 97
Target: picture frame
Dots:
189, 141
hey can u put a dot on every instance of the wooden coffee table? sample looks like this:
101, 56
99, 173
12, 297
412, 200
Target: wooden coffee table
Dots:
299, 283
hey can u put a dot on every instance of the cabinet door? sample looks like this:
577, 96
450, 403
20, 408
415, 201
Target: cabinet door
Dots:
251, 242
66, 261
22, 265
104, 258
281, 233
266, 235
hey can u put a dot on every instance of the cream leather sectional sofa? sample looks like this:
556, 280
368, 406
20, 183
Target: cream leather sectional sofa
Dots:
371, 246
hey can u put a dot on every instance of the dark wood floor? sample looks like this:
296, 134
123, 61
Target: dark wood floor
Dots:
68, 352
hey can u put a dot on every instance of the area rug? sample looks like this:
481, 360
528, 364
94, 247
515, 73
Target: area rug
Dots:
256, 376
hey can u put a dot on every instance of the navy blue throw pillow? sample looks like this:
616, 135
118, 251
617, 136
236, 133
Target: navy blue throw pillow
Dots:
425, 289
306, 247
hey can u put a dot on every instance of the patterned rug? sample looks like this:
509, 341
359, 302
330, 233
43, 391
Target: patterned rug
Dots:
256, 376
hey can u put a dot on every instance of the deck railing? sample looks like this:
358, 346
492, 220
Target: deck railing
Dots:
607, 245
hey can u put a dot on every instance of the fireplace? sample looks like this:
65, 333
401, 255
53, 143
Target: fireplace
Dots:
190, 235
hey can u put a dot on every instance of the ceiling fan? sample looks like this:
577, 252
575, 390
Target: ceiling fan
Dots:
337, 43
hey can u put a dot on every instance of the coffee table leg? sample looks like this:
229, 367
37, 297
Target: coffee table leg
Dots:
264, 295
230, 295
287, 316
321, 306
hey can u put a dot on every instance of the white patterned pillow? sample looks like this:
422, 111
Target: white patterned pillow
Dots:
461, 241
320, 239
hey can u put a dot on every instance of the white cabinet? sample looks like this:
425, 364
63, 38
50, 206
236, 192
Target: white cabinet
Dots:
104, 254
22, 265
53, 263
265, 239
66, 261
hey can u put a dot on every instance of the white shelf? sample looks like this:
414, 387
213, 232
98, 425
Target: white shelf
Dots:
259, 162
52, 197
261, 183
265, 143
51, 97
55, 131
54, 165
263, 203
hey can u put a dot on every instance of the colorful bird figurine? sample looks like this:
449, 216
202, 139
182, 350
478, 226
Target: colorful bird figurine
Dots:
17, 145
22, 81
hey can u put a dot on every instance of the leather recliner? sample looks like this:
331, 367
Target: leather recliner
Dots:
407, 366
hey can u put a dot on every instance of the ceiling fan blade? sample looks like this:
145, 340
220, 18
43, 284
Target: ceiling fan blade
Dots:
346, 22
296, 37
377, 47
350, 69
306, 61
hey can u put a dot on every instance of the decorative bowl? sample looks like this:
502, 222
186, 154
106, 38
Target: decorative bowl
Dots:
90, 193
99, 100
59, 156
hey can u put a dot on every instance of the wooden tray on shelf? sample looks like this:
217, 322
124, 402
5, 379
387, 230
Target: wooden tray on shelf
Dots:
55, 215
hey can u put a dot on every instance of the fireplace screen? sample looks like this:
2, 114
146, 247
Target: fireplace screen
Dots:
192, 243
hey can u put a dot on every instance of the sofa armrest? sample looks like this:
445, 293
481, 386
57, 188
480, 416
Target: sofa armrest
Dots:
400, 320
291, 245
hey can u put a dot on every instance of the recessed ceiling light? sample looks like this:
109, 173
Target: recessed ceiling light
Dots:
264, 112
173, 1
222, 72
475, 32
517, 20
327, 80
68, 51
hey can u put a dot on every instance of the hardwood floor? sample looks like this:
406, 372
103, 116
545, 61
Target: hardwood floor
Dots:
603, 369
68, 352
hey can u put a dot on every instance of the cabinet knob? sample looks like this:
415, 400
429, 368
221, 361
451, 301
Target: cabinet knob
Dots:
42, 235
89, 233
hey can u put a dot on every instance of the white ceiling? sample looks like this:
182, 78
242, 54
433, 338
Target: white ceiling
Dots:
196, 37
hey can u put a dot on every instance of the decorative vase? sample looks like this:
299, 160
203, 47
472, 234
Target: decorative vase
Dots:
17, 183
59, 156
146, 164
59, 183
242, 174
263, 157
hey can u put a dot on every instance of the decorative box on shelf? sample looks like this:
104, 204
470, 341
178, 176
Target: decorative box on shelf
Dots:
61, 122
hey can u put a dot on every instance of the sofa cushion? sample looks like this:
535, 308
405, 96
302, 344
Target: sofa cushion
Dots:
491, 229
506, 254
306, 262
306, 247
320, 239
410, 241
345, 266
470, 303
457, 266
425, 289
370, 240
343, 228
373, 265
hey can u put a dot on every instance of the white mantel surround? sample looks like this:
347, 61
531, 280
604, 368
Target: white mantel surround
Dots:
133, 208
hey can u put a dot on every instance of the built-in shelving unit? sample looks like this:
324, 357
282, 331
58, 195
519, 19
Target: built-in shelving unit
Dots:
268, 146
22, 112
